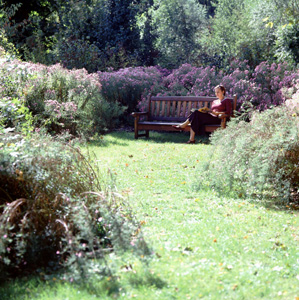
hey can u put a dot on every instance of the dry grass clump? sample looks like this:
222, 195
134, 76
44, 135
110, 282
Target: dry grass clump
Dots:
53, 209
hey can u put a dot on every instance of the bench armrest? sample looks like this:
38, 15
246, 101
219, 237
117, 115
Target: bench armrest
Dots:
138, 114
223, 118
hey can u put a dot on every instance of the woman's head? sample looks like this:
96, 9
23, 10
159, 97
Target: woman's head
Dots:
220, 90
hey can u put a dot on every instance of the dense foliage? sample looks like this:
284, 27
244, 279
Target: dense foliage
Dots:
55, 210
98, 34
177, 26
60, 100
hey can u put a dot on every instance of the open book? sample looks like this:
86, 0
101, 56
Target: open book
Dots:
204, 110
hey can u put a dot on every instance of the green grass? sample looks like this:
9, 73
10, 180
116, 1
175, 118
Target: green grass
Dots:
205, 246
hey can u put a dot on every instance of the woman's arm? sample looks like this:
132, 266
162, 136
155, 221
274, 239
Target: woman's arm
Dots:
216, 113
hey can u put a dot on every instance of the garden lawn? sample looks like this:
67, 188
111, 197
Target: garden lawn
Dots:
205, 246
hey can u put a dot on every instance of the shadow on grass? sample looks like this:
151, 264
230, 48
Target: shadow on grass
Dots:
104, 143
122, 138
33, 287
23, 288
18, 288
113, 287
110, 287
147, 279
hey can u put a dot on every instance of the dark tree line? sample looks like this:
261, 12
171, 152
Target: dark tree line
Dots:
101, 34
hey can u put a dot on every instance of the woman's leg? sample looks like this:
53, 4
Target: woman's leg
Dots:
198, 121
192, 135
182, 125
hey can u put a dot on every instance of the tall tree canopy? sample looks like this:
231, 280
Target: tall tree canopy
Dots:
97, 34
177, 25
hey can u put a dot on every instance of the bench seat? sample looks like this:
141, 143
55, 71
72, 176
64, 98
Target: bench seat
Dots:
168, 126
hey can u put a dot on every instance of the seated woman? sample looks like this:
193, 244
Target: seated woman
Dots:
199, 118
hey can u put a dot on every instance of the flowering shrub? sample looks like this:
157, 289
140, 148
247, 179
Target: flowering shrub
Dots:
63, 112
184, 81
256, 159
126, 86
188, 80
237, 79
262, 87
60, 99
268, 80
78, 102
14, 114
68, 108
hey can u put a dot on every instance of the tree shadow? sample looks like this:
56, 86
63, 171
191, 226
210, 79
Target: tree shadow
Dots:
104, 143
123, 137
147, 279
291, 207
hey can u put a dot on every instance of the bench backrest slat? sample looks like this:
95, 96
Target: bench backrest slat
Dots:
174, 103
189, 107
168, 109
158, 108
178, 109
162, 112
152, 108
184, 108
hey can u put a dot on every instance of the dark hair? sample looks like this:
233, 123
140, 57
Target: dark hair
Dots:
222, 88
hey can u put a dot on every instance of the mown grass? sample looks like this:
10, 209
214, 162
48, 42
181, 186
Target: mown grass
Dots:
205, 246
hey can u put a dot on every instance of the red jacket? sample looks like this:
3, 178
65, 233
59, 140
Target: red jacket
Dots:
224, 106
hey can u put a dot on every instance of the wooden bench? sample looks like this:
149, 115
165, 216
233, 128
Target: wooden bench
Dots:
166, 111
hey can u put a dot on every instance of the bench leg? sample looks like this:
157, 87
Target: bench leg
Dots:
136, 127
147, 133
136, 133
223, 123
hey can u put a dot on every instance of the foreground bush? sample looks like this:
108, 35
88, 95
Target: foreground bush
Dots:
55, 211
257, 159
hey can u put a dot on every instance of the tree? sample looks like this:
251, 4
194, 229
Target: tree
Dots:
107, 25
31, 25
42, 7
210, 6
177, 25
120, 24
6, 13
237, 31
147, 36
44, 30
285, 23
